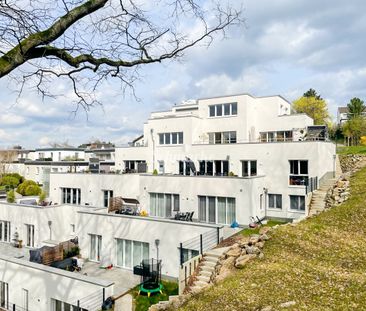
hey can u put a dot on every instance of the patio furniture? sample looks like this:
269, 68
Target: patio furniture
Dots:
190, 218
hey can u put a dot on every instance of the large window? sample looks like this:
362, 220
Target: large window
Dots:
297, 202
216, 209
298, 172
220, 110
249, 168
131, 166
187, 168
58, 305
275, 201
222, 137
131, 253
216, 167
162, 204
107, 195
175, 138
71, 196
5, 231
276, 136
95, 247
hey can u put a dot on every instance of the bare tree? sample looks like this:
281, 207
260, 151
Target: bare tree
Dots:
88, 41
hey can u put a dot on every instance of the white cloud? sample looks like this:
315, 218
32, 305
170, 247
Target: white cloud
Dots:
11, 119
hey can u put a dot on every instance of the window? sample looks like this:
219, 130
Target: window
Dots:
222, 137
297, 202
298, 172
187, 168
131, 253
5, 231
162, 204
95, 247
217, 168
29, 229
132, 166
275, 201
107, 195
223, 109
71, 196
275, 136
161, 167
220, 208
249, 168
4, 295
58, 305
171, 138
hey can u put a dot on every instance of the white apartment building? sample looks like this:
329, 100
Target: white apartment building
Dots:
226, 159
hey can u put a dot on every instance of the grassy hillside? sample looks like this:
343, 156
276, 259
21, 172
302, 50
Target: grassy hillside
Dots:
319, 264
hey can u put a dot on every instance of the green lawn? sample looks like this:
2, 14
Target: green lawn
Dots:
142, 303
352, 150
319, 264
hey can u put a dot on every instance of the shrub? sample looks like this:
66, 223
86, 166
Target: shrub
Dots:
33, 190
42, 197
29, 187
11, 182
10, 196
155, 172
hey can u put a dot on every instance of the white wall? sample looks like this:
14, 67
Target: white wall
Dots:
142, 229
61, 216
273, 165
44, 283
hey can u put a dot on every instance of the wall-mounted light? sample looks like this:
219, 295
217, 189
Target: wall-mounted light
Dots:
157, 243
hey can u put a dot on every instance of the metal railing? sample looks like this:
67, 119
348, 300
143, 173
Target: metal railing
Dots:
312, 184
198, 245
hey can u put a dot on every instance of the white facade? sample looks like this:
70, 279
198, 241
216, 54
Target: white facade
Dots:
219, 136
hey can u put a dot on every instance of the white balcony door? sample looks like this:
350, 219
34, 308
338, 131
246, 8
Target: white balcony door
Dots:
95, 247
29, 235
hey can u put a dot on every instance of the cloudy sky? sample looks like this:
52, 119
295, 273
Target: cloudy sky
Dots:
286, 47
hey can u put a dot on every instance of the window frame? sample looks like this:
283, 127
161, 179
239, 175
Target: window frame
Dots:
277, 198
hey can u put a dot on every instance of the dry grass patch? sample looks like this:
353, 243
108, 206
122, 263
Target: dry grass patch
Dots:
318, 264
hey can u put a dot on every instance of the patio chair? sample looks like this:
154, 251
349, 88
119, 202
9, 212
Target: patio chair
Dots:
190, 216
183, 216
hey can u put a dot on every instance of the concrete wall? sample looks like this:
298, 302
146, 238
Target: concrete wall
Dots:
142, 229
273, 177
61, 216
44, 283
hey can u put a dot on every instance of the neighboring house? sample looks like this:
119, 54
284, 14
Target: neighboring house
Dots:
343, 115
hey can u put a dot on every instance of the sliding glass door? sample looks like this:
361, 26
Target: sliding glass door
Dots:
131, 253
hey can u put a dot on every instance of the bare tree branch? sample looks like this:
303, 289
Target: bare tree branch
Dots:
88, 41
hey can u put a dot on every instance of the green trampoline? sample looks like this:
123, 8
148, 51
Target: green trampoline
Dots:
149, 288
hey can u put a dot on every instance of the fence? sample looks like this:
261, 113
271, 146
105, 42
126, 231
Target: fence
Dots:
186, 271
92, 302
195, 246
312, 184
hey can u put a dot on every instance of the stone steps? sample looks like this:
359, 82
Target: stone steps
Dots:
207, 267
